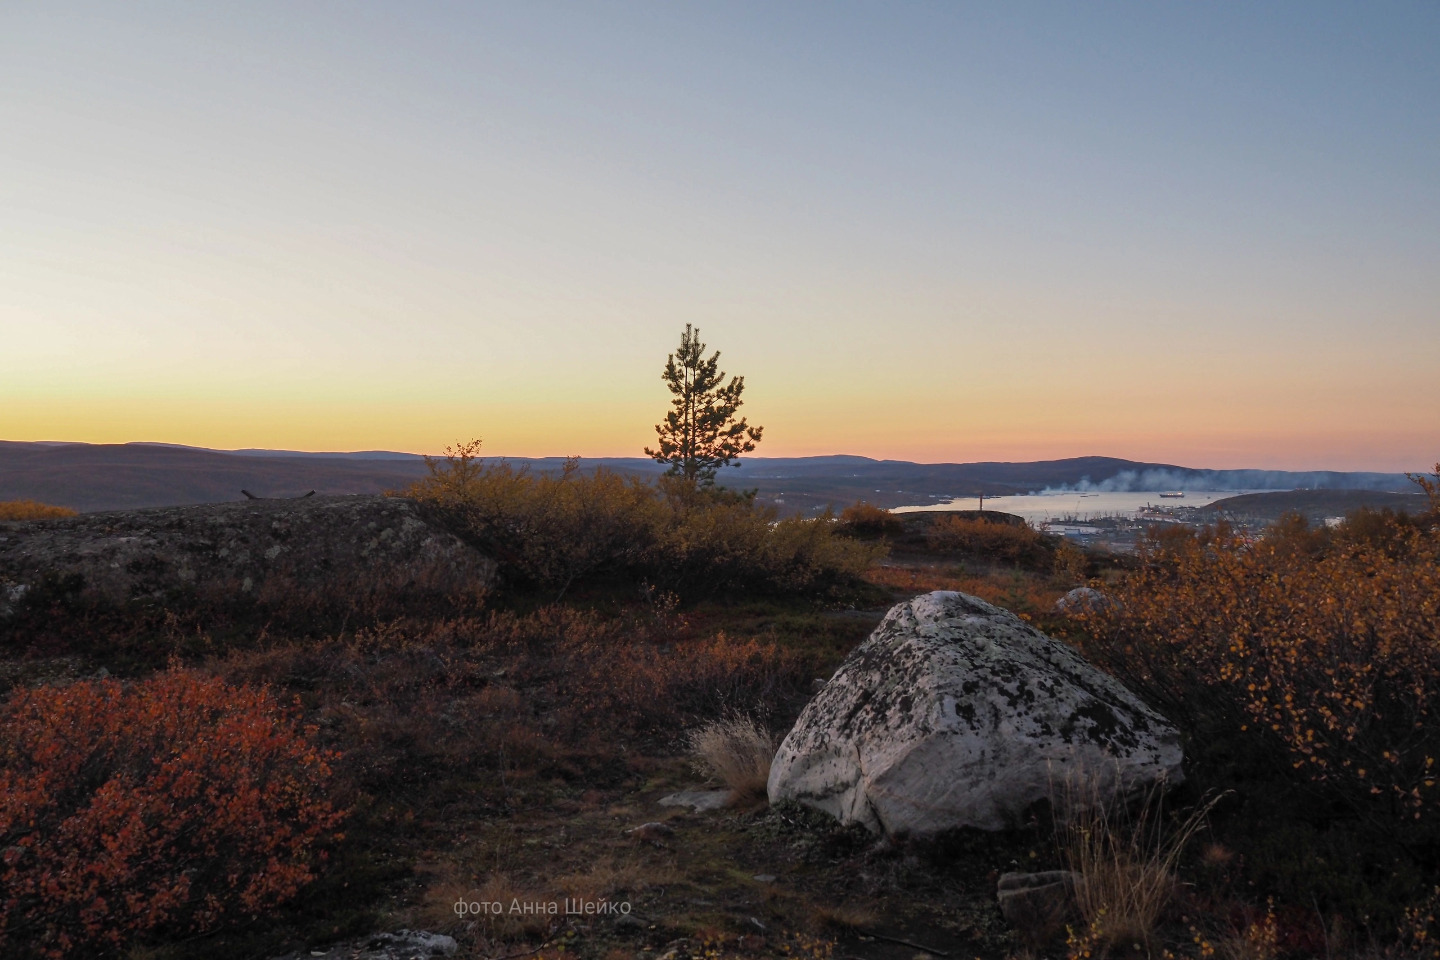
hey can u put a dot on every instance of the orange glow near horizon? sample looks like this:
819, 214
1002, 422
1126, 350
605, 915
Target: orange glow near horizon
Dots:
564, 431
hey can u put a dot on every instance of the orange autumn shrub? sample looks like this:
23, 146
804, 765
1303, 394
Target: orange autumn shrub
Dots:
1028, 595
548, 529
862, 519
172, 805
552, 531
1010, 542
1322, 647
32, 510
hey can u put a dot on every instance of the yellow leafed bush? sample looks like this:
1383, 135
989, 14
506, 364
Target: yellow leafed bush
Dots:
1323, 646
551, 530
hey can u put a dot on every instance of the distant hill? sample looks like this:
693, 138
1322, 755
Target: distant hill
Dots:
91, 477
1315, 505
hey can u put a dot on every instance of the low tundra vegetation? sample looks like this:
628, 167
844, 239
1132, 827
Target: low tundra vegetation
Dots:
511, 746
551, 531
1321, 646
1016, 543
175, 805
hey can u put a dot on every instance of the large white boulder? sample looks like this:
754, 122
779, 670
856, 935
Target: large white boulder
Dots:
956, 713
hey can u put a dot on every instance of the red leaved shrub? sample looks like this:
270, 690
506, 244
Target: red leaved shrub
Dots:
172, 804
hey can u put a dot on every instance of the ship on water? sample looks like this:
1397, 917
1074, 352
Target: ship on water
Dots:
1174, 495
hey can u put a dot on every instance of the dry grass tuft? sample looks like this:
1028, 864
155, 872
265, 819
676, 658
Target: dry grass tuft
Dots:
1126, 857
736, 751
611, 879
437, 908
506, 919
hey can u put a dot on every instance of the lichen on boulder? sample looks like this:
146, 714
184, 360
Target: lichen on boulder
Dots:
957, 713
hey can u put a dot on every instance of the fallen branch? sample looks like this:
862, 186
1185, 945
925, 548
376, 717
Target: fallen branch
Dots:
524, 953
909, 943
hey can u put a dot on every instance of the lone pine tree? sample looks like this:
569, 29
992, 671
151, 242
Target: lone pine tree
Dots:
700, 433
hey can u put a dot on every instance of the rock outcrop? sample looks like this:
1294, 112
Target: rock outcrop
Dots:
1083, 600
956, 713
319, 543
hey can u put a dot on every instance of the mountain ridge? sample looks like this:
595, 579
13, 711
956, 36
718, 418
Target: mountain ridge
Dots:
94, 477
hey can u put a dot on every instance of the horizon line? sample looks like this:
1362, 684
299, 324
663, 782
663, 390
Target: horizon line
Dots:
242, 451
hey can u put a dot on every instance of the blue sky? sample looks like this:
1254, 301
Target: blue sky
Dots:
1205, 234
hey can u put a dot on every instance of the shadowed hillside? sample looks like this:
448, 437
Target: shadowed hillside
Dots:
127, 476
1314, 505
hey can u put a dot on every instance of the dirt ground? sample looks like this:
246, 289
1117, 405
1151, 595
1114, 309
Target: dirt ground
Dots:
742, 881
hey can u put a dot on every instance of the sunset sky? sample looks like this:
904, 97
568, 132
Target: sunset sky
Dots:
1206, 234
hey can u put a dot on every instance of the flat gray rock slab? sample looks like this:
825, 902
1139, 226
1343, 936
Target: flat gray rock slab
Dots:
701, 800
402, 945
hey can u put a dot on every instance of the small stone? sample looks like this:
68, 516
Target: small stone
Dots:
700, 800
652, 832
764, 878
